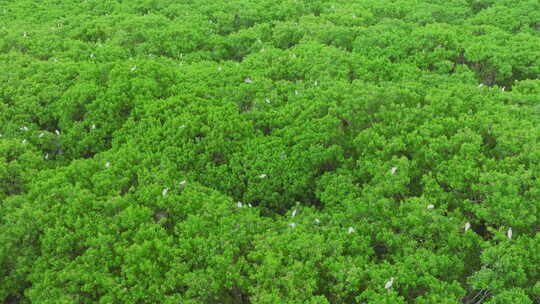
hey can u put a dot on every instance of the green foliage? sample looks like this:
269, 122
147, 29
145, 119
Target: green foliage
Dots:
270, 151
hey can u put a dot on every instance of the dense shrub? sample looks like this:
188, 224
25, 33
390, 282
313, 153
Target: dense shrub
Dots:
270, 151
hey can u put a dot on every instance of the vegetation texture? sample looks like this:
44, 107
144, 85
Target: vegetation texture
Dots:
270, 151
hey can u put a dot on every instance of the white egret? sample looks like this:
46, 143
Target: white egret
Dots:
263, 175
133, 68
351, 230
389, 283
239, 204
248, 80
183, 182
430, 206
25, 35
57, 132
249, 205
107, 164
393, 170
24, 128
93, 126
41, 134
296, 92
165, 191
317, 221
294, 213
292, 225
467, 226
47, 156
92, 55
509, 233
267, 100
24, 141
480, 85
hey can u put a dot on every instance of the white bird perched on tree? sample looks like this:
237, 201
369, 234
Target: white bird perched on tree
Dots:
47, 156
467, 226
292, 225
262, 176
248, 80
294, 213
24, 128
249, 205
24, 141
509, 233
133, 68
93, 126
317, 221
389, 284
107, 164
57, 132
393, 170
239, 204
351, 230
25, 35
430, 206
480, 85
183, 183
41, 134
165, 191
